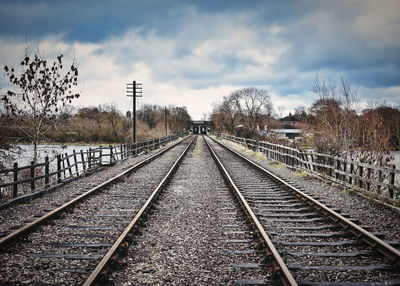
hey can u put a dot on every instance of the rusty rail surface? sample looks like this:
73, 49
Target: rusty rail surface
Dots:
30, 226
376, 243
281, 270
99, 274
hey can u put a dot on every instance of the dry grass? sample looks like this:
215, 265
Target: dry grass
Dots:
260, 156
196, 151
257, 155
345, 191
300, 174
277, 164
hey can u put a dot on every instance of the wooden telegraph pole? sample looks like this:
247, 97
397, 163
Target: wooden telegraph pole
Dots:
135, 90
165, 120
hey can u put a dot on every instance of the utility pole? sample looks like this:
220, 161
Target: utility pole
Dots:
165, 119
135, 90
176, 124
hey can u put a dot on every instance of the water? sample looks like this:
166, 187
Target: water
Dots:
25, 155
396, 161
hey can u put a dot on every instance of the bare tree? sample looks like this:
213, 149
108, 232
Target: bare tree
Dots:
225, 115
40, 90
252, 104
281, 109
340, 131
113, 118
336, 117
300, 111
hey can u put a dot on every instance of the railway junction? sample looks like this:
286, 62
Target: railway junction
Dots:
199, 212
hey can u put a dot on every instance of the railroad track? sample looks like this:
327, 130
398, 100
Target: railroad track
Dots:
197, 234
317, 244
77, 241
259, 231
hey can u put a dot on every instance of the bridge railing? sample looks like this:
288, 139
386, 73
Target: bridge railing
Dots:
371, 180
23, 181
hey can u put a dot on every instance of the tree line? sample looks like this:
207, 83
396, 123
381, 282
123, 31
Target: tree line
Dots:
101, 124
334, 124
338, 127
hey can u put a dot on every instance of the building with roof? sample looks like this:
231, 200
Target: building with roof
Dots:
290, 128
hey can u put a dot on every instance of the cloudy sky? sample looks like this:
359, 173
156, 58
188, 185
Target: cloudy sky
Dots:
192, 53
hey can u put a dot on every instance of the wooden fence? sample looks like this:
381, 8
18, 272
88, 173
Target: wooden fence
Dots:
372, 180
18, 181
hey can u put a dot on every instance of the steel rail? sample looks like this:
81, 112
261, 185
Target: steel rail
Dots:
30, 226
121, 243
376, 243
281, 270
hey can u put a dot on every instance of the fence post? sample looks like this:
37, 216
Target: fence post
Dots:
83, 161
391, 192
63, 166
337, 168
379, 187
303, 160
331, 163
89, 157
360, 174
111, 154
46, 172
59, 168
351, 173
69, 165
312, 162
299, 161
32, 176
345, 170
76, 163
293, 158
287, 156
369, 177
15, 186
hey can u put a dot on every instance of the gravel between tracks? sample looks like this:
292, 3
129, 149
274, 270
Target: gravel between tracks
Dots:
14, 216
378, 217
184, 241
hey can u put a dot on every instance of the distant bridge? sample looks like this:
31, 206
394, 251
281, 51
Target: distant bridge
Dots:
200, 126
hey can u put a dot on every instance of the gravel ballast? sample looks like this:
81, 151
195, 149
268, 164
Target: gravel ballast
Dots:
369, 213
189, 238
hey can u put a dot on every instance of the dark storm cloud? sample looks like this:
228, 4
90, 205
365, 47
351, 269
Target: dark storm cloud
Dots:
204, 44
